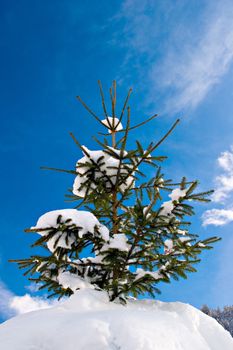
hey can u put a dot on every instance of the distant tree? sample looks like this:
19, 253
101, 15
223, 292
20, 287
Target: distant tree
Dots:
224, 316
129, 238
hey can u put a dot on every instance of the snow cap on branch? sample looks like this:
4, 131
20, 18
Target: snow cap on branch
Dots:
118, 241
168, 206
72, 281
140, 273
100, 167
112, 124
85, 221
177, 193
168, 246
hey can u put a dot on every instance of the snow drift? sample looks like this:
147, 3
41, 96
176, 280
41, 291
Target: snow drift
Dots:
89, 321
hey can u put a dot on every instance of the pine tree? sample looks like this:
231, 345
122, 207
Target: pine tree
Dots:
131, 237
223, 316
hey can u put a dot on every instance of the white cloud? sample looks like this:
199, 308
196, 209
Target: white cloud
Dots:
225, 161
27, 303
217, 217
223, 193
224, 182
11, 304
191, 59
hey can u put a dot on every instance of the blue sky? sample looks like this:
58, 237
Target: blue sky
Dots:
178, 58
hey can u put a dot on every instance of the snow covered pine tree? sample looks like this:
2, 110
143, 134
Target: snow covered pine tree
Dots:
133, 238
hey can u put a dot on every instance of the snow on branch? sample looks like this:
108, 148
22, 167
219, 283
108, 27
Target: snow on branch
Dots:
64, 220
99, 167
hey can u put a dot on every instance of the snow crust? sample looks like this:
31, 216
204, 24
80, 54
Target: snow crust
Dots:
89, 321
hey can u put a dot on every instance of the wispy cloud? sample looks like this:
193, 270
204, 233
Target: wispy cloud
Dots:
200, 66
33, 287
182, 60
223, 193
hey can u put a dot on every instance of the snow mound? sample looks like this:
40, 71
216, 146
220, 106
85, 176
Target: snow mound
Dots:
89, 321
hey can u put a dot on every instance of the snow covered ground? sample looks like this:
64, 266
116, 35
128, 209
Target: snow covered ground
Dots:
88, 321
